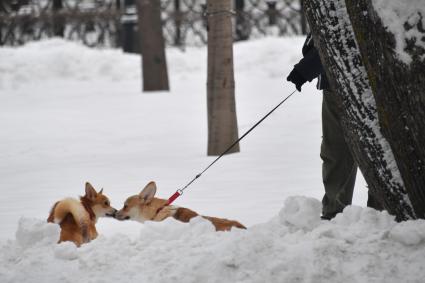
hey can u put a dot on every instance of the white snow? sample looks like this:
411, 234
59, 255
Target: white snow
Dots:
70, 114
394, 14
360, 245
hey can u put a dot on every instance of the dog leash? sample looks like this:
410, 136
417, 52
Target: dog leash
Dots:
179, 192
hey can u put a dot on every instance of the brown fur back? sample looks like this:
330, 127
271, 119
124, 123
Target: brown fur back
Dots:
79, 234
184, 214
220, 224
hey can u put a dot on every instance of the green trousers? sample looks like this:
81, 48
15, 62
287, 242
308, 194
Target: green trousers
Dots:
339, 169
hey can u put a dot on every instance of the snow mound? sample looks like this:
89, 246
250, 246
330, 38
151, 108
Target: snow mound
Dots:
359, 245
66, 251
409, 232
302, 212
54, 59
58, 59
34, 232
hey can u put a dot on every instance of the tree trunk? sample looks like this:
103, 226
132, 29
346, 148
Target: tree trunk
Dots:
154, 64
401, 103
335, 39
222, 122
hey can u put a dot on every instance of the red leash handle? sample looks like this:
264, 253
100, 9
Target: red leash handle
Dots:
171, 199
174, 196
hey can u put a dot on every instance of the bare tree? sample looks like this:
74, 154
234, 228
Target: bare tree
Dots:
222, 122
154, 64
382, 100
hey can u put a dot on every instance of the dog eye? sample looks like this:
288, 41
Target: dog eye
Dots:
106, 202
125, 206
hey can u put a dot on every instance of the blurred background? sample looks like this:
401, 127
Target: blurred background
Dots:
113, 23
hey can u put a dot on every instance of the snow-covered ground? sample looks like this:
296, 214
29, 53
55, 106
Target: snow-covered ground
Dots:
70, 114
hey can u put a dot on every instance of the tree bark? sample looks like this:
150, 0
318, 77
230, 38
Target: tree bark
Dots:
154, 64
222, 122
399, 90
335, 39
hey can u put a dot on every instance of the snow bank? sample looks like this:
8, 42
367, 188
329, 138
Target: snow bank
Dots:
58, 59
55, 59
301, 212
395, 14
359, 245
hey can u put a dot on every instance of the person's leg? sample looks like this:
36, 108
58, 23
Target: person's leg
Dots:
338, 169
373, 202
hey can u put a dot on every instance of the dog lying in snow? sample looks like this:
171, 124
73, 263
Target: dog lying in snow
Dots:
145, 206
77, 218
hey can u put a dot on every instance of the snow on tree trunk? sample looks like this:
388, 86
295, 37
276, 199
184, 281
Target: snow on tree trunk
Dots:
391, 38
222, 122
154, 64
335, 39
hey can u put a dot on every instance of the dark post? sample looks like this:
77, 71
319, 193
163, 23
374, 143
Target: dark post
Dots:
129, 36
15, 5
204, 16
242, 24
177, 23
272, 12
58, 19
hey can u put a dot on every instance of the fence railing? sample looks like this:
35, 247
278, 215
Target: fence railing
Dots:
113, 23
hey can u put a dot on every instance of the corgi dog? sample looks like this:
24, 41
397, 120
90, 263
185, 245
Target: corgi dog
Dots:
77, 218
145, 207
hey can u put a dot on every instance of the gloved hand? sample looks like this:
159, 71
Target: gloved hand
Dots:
297, 79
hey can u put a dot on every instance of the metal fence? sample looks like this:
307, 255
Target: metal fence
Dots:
113, 23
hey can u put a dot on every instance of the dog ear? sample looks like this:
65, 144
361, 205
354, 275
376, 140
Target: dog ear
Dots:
90, 192
148, 192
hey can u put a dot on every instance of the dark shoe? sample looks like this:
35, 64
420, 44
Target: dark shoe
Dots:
327, 216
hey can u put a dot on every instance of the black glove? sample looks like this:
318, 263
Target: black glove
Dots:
296, 78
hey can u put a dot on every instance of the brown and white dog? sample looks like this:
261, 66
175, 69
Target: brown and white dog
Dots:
145, 207
77, 218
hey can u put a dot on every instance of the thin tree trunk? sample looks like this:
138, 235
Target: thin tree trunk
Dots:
399, 90
154, 64
222, 122
335, 39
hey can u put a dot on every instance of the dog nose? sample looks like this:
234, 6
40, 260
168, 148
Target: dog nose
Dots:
113, 213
